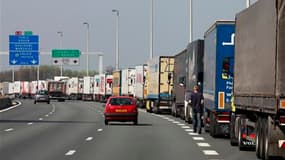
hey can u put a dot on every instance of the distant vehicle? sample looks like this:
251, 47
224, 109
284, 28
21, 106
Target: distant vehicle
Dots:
42, 96
160, 84
57, 90
121, 108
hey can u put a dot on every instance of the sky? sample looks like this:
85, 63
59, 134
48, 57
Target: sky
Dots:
170, 26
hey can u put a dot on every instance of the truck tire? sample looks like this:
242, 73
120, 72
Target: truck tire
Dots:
258, 146
240, 140
233, 139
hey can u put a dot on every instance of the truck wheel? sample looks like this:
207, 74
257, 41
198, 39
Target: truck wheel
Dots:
240, 140
233, 139
258, 145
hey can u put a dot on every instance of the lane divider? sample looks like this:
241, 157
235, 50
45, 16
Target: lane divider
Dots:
7, 109
70, 152
89, 138
30, 123
9, 130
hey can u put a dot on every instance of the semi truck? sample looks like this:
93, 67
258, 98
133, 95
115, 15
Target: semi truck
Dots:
160, 84
116, 88
96, 95
57, 90
258, 112
128, 81
218, 79
72, 88
188, 72
140, 76
105, 87
88, 88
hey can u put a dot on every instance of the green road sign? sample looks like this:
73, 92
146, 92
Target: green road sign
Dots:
28, 33
65, 53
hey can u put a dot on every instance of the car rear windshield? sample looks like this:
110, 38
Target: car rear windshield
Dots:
121, 101
42, 92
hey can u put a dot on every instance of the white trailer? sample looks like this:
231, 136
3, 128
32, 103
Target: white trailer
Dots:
88, 88
128, 81
25, 89
17, 88
72, 88
96, 95
140, 84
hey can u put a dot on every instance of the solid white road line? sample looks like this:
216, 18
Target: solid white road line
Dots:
70, 153
210, 152
9, 130
198, 138
7, 109
203, 144
100, 130
89, 138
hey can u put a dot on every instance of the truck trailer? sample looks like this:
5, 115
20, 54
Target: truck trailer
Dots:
88, 88
140, 76
188, 72
258, 118
218, 78
128, 82
116, 88
160, 84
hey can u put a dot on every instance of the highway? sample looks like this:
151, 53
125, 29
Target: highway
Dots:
76, 130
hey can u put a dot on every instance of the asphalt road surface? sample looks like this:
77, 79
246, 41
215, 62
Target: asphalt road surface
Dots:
75, 130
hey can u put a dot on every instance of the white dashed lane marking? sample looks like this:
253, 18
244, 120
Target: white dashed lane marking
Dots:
30, 123
184, 127
203, 144
181, 124
193, 134
47, 115
100, 130
89, 138
70, 153
40, 119
9, 130
198, 138
210, 152
189, 130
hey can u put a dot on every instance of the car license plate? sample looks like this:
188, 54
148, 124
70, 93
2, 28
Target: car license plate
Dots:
121, 110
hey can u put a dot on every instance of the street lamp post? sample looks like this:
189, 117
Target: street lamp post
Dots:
247, 3
151, 31
190, 21
87, 48
117, 38
60, 33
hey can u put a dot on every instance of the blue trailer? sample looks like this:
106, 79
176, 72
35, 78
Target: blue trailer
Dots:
218, 77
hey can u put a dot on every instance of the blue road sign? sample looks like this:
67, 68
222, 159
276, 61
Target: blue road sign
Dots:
23, 49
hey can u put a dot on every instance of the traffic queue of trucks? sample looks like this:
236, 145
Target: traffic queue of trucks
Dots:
238, 67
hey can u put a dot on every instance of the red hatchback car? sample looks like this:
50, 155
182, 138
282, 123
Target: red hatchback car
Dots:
121, 108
